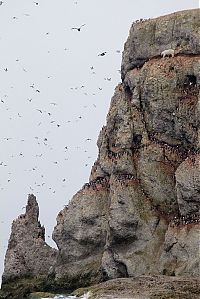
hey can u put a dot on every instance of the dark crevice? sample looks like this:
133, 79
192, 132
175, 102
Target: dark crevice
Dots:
169, 247
128, 91
136, 141
192, 79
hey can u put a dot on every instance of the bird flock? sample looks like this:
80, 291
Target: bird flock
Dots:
40, 117
54, 96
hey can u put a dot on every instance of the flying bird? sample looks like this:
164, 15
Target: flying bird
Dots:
8, 138
78, 28
102, 54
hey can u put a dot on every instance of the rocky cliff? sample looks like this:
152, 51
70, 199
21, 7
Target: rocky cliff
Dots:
139, 213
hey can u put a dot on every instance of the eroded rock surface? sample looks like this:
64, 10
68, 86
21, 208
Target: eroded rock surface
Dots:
28, 254
147, 218
148, 38
81, 233
145, 287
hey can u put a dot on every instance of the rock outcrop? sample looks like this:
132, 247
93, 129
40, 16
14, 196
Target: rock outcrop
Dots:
148, 38
28, 254
145, 287
139, 214
140, 211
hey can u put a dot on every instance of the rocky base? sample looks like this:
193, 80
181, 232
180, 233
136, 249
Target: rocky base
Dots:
146, 287
28, 287
143, 287
21, 288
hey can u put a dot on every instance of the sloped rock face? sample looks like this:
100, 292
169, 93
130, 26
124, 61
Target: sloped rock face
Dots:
28, 255
80, 235
147, 219
181, 251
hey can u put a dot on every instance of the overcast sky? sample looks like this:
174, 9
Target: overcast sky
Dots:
55, 93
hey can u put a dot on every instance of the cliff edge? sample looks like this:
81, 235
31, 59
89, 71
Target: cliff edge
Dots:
140, 211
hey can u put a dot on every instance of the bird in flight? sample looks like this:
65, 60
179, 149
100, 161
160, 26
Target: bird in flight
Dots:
102, 54
78, 28
1, 2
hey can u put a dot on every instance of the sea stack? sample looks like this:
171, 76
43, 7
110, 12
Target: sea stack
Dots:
139, 214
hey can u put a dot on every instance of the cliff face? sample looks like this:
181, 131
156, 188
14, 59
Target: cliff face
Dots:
139, 213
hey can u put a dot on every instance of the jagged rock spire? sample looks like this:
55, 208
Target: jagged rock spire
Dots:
28, 254
32, 208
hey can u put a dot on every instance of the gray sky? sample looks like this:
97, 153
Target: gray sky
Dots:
42, 62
